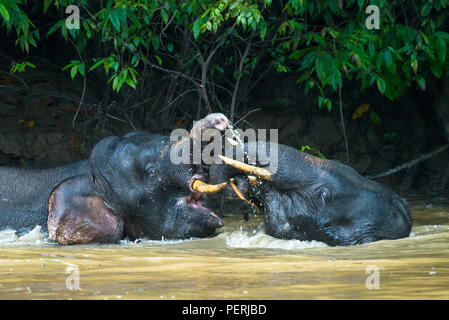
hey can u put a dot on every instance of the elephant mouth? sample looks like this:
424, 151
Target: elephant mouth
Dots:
198, 191
195, 200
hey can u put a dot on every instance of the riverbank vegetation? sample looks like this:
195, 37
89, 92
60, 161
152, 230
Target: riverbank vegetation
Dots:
155, 64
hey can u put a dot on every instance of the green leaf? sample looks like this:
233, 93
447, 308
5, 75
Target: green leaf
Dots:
115, 82
324, 102
81, 68
67, 66
323, 65
299, 53
115, 19
436, 68
389, 63
164, 18
73, 71
426, 9
29, 64
395, 85
54, 28
389, 135
414, 65
209, 25
159, 60
219, 69
321, 102
47, 3
4, 12
130, 83
440, 46
96, 64
443, 35
375, 118
381, 85
120, 83
263, 29
134, 19
421, 81
196, 28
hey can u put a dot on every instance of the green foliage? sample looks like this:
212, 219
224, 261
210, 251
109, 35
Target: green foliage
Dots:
322, 44
13, 18
402, 51
312, 151
75, 66
21, 66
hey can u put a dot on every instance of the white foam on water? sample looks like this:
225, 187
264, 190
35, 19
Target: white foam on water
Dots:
147, 242
243, 239
34, 237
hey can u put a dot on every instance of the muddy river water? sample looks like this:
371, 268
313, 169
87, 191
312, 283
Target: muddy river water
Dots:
240, 263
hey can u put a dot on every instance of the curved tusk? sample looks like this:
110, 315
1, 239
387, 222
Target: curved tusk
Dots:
203, 187
259, 172
253, 180
240, 195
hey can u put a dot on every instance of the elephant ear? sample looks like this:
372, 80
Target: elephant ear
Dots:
77, 216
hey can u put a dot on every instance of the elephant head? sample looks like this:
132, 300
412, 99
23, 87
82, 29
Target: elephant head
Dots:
134, 189
310, 198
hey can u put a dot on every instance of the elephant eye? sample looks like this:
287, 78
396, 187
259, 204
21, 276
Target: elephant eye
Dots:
151, 169
324, 194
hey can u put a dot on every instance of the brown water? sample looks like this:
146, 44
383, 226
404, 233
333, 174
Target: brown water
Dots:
241, 263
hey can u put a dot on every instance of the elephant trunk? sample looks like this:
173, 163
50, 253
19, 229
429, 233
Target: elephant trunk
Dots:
281, 165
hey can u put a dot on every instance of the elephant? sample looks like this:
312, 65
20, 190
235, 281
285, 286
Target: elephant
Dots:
310, 198
129, 187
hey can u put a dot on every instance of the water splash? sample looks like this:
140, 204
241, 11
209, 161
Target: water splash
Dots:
151, 243
235, 134
243, 239
34, 237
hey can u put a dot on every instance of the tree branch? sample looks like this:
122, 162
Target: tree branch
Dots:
410, 163
237, 82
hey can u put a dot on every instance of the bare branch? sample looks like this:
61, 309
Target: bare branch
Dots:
411, 163
237, 82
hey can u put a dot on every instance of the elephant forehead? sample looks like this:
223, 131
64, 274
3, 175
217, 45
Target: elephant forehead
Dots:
125, 156
128, 154
152, 152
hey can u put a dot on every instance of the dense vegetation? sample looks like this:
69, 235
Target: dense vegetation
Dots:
220, 50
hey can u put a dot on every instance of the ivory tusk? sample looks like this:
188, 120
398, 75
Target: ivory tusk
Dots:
253, 180
259, 172
203, 187
240, 195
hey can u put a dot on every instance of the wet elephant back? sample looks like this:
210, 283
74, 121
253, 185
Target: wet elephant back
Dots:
24, 193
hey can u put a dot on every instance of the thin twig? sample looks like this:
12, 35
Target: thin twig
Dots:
84, 85
343, 125
176, 99
246, 115
411, 163
206, 66
237, 82
13, 75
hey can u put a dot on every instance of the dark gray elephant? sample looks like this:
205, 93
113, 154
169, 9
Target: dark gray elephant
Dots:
309, 198
129, 187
